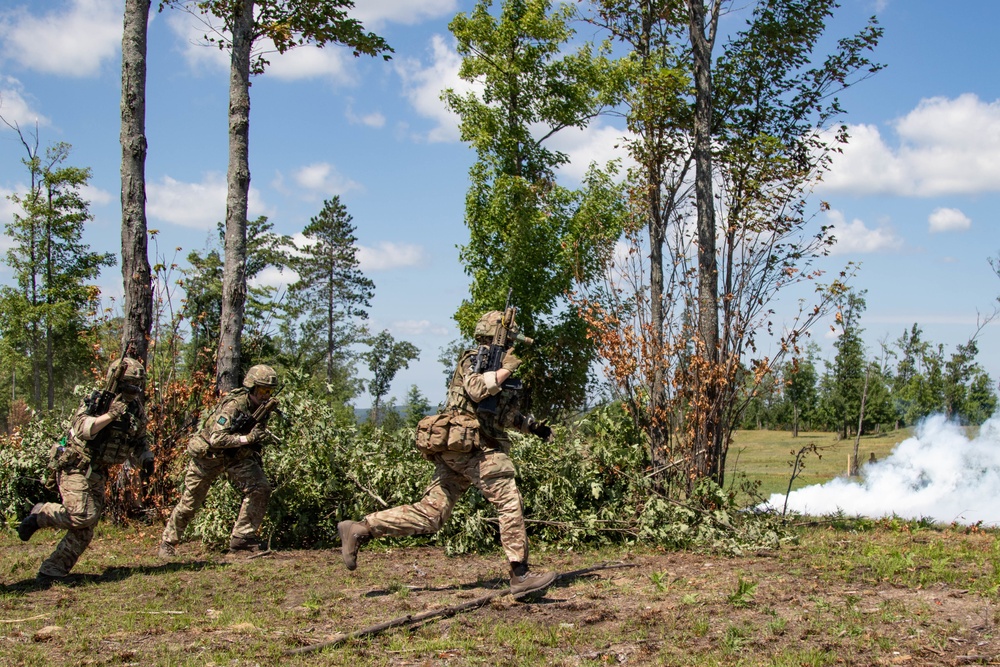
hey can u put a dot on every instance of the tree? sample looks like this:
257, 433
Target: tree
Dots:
800, 387
286, 24
331, 292
136, 276
527, 233
386, 358
46, 313
773, 104
849, 366
417, 406
202, 285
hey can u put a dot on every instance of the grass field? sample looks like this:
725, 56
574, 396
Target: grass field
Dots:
768, 455
839, 592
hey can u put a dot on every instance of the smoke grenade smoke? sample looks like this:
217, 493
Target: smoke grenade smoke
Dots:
938, 474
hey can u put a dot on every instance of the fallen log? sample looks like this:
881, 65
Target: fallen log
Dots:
414, 619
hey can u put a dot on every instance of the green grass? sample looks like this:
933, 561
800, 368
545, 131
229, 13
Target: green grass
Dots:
767, 456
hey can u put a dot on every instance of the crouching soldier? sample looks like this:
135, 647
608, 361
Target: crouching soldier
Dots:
472, 450
98, 438
229, 441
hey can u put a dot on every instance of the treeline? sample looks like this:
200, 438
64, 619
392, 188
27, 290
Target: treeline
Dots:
664, 274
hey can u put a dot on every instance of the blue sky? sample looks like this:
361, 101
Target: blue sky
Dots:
914, 197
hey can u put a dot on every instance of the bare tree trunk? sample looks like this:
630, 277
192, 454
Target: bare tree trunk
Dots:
234, 284
709, 455
49, 373
861, 418
136, 278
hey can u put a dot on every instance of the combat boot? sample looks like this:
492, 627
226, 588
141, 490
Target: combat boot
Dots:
166, 551
522, 581
246, 544
29, 524
352, 534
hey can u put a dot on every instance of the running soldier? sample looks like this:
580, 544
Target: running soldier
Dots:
98, 438
484, 463
230, 442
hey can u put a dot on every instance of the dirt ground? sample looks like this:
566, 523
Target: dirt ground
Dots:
821, 602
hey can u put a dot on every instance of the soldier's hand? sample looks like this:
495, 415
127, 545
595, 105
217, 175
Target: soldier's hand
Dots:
117, 408
256, 435
148, 465
510, 362
541, 429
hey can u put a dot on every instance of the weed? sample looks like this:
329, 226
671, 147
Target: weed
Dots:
743, 596
661, 580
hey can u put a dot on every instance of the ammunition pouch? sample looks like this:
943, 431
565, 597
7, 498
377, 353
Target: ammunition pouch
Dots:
447, 432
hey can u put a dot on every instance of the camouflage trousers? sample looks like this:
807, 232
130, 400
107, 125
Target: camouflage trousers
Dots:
490, 471
246, 476
82, 506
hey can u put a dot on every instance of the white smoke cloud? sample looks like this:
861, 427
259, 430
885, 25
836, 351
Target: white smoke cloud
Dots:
938, 474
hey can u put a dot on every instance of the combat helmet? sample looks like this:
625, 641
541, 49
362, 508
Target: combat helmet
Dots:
260, 375
133, 380
487, 325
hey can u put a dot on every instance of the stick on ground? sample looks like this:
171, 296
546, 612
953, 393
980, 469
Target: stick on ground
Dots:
413, 619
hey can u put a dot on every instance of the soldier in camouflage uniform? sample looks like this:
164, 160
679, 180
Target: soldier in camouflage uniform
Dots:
487, 466
229, 441
80, 463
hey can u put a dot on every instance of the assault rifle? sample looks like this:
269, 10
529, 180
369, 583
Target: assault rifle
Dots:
247, 422
100, 400
490, 357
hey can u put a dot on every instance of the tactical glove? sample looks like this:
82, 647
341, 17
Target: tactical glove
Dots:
148, 466
510, 362
256, 435
541, 429
117, 408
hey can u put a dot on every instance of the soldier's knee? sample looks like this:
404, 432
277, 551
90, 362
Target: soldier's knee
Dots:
260, 490
87, 519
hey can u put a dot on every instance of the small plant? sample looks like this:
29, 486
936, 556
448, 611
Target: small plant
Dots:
742, 597
661, 580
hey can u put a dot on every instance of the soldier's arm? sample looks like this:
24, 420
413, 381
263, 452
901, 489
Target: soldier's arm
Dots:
223, 434
480, 385
86, 427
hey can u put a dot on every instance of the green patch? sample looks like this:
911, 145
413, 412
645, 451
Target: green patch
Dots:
222, 421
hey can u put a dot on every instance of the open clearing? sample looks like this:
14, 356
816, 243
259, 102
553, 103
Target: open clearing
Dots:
860, 593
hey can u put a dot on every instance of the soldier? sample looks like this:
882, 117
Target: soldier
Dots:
229, 441
487, 465
93, 443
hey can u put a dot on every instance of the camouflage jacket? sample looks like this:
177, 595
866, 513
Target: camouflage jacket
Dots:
468, 388
221, 430
123, 439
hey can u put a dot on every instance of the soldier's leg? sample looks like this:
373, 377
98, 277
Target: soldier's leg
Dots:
248, 477
198, 479
82, 506
427, 515
495, 479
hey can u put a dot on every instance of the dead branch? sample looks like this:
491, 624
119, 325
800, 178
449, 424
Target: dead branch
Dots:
414, 619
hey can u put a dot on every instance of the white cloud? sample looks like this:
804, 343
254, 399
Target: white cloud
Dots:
332, 62
15, 109
321, 180
7, 211
422, 86
418, 328
197, 205
97, 196
595, 143
855, 237
73, 39
948, 220
945, 146
387, 255
376, 13
273, 277
374, 119
308, 62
